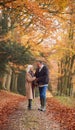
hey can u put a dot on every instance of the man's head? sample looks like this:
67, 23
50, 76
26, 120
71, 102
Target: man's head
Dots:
39, 63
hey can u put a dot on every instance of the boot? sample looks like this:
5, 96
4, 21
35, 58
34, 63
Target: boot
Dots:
30, 104
43, 104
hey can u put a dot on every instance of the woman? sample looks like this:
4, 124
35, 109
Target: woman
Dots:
29, 80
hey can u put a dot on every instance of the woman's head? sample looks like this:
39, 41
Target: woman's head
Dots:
29, 68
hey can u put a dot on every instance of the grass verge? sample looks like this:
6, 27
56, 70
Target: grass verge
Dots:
67, 101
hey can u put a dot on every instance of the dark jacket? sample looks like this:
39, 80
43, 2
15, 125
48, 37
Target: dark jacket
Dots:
42, 76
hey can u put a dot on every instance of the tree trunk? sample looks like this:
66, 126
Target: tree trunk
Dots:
15, 85
14, 82
7, 79
4, 81
8, 82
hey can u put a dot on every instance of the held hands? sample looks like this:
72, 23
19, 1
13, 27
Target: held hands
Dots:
34, 78
35, 82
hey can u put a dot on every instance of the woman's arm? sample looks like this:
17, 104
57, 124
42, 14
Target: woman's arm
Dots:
29, 78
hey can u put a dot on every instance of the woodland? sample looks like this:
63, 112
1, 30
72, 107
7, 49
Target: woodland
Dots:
31, 30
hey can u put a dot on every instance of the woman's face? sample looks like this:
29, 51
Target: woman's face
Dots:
31, 68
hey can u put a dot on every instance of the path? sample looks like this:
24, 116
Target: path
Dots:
24, 119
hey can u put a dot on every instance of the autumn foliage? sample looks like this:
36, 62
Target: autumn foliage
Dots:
65, 116
39, 28
8, 104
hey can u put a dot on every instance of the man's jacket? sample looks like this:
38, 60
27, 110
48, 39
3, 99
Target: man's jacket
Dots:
42, 76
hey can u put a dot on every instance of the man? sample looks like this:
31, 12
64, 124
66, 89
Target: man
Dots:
42, 77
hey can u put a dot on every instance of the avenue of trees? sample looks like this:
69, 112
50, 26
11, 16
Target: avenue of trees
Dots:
31, 29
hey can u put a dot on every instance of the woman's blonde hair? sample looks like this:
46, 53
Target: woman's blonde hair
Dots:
28, 68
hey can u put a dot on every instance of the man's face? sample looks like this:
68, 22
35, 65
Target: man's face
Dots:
38, 64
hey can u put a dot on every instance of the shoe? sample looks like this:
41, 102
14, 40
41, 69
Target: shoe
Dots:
43, 109
40, 108
29, 108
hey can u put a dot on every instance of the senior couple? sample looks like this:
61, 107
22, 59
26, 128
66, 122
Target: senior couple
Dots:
41, 77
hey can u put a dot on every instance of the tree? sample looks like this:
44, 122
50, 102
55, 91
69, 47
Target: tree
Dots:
43, 24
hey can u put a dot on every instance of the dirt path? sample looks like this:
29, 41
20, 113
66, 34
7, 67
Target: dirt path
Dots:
24, 119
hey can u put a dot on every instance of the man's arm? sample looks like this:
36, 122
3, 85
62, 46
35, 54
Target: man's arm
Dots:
45, 74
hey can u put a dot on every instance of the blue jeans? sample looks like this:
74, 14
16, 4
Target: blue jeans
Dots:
42, 91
